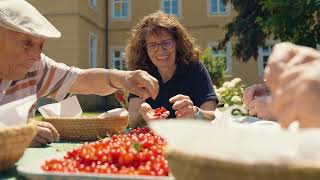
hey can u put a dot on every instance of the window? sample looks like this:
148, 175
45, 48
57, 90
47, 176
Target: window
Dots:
118, 58
264, 53
93, 46
217, 7
93, 4
120, 9
224, 53
171, 7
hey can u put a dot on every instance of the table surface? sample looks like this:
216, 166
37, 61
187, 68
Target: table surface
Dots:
34, 153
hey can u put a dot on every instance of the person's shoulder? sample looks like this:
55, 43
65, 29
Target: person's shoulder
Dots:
49, 62
46, 59
196, 66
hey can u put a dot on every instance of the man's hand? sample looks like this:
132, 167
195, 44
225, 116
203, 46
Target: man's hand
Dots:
46, 134
283, 57
259, 107
137, 82
293, 76
253, 91
298, 97
103, 82
257, 98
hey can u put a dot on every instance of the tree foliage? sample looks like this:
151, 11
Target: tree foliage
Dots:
215, 66
297, 21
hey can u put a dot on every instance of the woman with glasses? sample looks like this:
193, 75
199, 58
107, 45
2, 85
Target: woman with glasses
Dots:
160, 45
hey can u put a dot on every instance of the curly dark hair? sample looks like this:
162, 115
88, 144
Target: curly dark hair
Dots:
136, 55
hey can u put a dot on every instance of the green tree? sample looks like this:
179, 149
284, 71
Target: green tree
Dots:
297, 21
215, 66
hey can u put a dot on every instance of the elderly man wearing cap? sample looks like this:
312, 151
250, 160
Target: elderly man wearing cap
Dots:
25, 71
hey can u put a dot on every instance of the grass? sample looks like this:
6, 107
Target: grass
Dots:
88, 114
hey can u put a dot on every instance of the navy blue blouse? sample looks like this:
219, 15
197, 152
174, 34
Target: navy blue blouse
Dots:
192, 80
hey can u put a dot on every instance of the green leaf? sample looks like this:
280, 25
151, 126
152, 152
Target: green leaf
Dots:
137, 146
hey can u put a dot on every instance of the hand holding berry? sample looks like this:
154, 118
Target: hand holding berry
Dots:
148, 113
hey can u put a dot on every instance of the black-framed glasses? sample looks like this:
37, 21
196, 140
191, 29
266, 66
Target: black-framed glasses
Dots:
165, 44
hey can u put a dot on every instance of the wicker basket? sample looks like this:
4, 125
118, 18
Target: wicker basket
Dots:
13, 142
191, 167
88, 128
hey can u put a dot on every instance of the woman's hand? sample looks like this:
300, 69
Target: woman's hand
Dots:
183, 106
148, 113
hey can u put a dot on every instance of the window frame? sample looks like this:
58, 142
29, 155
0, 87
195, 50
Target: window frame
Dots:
91, 5
122, 18
214, 14
228, 54
93, 62
261, 54
179, 10
113, 58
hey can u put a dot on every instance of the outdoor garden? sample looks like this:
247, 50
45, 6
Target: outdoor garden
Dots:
187, 141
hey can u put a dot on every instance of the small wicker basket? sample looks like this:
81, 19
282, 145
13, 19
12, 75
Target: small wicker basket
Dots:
88, 128
13, 142
190, 167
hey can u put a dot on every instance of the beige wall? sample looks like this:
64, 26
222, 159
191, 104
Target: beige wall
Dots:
247, 71
74, 19
198, 14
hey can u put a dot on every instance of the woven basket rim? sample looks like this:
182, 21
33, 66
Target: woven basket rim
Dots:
88, 128
14, 140
85, 118
19, 126
294, 165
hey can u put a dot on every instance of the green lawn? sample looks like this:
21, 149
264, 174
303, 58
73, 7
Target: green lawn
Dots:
88, 114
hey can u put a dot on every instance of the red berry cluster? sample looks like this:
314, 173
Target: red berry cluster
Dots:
158, 112
139, 152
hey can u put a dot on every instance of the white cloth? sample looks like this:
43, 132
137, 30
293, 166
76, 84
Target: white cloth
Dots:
114, 113
67, 108
17, 112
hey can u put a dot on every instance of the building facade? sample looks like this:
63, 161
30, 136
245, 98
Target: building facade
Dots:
95, 33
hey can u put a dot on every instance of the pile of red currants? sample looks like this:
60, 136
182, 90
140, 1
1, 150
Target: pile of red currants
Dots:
139, 152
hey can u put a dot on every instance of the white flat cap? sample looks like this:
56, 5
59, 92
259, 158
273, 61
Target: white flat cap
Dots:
20, 16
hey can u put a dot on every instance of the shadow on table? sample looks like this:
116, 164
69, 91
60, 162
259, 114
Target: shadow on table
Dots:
11, 174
